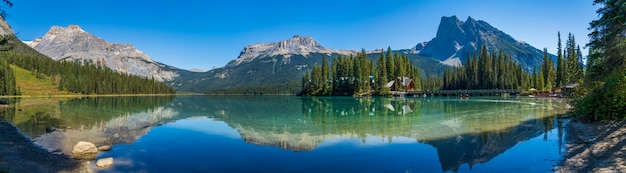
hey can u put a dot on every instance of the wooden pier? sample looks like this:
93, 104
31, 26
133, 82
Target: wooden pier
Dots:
492, 92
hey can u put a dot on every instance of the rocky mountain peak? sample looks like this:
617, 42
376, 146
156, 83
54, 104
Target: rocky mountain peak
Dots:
299, 42
449, 27
456, 38
470, 19
71, 29
72, 43
300, 45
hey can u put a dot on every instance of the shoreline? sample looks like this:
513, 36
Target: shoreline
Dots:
97, 95
20, 154
594, 147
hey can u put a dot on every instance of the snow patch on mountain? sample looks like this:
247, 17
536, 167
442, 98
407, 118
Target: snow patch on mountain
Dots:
453, 61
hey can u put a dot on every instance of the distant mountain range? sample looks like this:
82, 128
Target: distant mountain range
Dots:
281, 64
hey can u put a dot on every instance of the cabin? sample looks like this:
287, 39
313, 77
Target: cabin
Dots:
568, 89
407, 84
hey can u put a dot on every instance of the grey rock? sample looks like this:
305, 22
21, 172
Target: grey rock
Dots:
105, 162
50, 129
104, 148
84, 151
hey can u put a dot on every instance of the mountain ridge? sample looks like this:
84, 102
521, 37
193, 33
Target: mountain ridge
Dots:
456, 38
282, 62
72, 43
301, 45
277, 64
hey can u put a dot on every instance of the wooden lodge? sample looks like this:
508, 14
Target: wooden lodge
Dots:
407, 84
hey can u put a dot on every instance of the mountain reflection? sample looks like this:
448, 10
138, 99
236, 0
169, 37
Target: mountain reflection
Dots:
58, 124
463, 131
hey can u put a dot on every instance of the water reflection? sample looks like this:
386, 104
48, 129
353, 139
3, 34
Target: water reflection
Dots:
58, 124
463, 131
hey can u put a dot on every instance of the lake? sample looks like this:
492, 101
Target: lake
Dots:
303, 134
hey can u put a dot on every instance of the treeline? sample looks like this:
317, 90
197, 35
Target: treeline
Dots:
86, 79
7, 80
358, 75
288, 88
70, 76
489, 70
569, 62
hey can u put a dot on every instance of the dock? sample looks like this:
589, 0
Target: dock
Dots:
491, 92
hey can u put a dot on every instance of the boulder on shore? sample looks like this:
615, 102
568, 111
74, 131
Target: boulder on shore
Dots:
104, 162
85, 151
104, 148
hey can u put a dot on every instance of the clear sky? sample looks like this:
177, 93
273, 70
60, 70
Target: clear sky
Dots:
206, 33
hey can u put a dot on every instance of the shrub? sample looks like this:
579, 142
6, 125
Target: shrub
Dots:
606, 102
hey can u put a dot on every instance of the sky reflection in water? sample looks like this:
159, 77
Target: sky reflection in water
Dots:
302, 134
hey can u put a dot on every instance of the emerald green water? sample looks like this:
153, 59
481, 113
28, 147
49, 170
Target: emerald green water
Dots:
303, 134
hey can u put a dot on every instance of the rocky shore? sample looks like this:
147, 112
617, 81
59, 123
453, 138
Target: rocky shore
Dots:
19, 154
595, 147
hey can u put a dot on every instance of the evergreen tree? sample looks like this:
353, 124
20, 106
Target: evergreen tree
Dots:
560, 70
604, 89
326, 88
505, 74
548, 70
539, 83
607, 37
572, 67
484, 69
580, 71
391, 64
381, 76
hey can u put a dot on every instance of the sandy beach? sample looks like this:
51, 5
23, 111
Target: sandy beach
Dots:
19, 154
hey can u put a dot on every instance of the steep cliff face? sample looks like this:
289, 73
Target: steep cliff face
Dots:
456, 38
72, 43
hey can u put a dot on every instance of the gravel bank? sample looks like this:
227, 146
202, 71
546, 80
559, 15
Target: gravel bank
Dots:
595, 147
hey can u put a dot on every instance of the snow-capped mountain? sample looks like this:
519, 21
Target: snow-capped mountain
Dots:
72, 43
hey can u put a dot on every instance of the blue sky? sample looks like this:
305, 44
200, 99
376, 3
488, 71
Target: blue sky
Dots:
205, 33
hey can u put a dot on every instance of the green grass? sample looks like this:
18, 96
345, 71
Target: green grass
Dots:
30, 85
